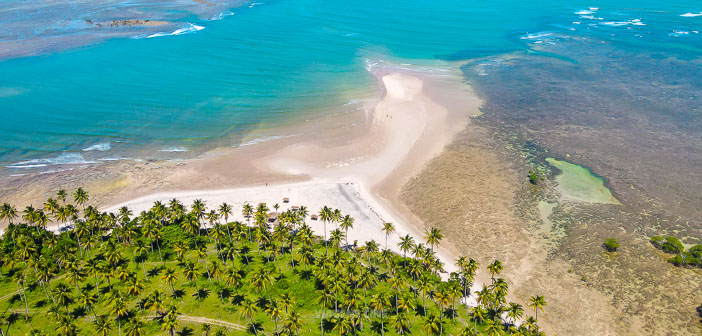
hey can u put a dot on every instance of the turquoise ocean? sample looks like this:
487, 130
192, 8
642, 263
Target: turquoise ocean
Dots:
72, 93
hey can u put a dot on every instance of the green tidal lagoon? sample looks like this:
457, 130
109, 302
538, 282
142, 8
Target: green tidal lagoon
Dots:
580, 184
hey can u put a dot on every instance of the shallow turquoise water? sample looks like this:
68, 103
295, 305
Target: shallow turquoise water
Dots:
274, 61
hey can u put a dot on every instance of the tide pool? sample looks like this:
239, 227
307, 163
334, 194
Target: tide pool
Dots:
578, 183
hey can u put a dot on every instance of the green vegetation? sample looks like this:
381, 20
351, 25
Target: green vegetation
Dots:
172, 270
535, 177
691, 258
611, 244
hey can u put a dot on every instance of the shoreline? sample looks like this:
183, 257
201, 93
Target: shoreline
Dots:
374, 152
367, 167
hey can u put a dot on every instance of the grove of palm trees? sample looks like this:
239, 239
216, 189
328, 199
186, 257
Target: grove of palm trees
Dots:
188, 270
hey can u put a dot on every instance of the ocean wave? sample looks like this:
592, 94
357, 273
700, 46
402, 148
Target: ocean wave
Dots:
632, 22
98, 147
63, 159
536, 36
264, 139
691, 14
180, 31
173, 149
678, 33
221, 16
112, 159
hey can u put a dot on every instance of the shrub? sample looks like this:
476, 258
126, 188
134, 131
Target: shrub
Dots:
657, 241
677, 260
172, 234
611, 244
696, 251
672, 245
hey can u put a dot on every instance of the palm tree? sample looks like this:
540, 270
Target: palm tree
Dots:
155, 302
389, 229
169, 321
293, 323
432, 325
248, 310
102, 325
379, 302
325, 215
433, 237
80, 196
119, 310
346, 224
515, 312
538, 303
401, 323
67, 327
406, 244
8, 212
134, 327
324, 299
495, 268
170, 277
492, 328
274, 310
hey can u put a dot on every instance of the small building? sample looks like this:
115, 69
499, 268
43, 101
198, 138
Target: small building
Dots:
313, 217
286, 200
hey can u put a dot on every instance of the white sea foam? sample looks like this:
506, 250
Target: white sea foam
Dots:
221, 16
180, 31
590, 17
678, 33
173, 149
98, 147
691, 14
632, 22
536, 36
264, 139
584, 12
63, 159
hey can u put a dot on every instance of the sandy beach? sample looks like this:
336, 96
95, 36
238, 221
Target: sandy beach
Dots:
360, 174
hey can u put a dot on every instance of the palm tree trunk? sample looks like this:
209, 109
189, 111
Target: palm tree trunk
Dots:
253, 325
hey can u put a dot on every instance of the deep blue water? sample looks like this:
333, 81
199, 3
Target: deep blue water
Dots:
207, 79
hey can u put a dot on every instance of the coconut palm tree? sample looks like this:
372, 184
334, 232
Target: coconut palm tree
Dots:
401, 323
248, 310
433, 237
102, 325
433, 325
169, 321
293, 323
170, 277
495, 268
275, 311
406, 244
120, 311
8, 212
80, 196
515, 312
155, 302
346, 224
134, 327
389, 229
326, 215
538, 303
